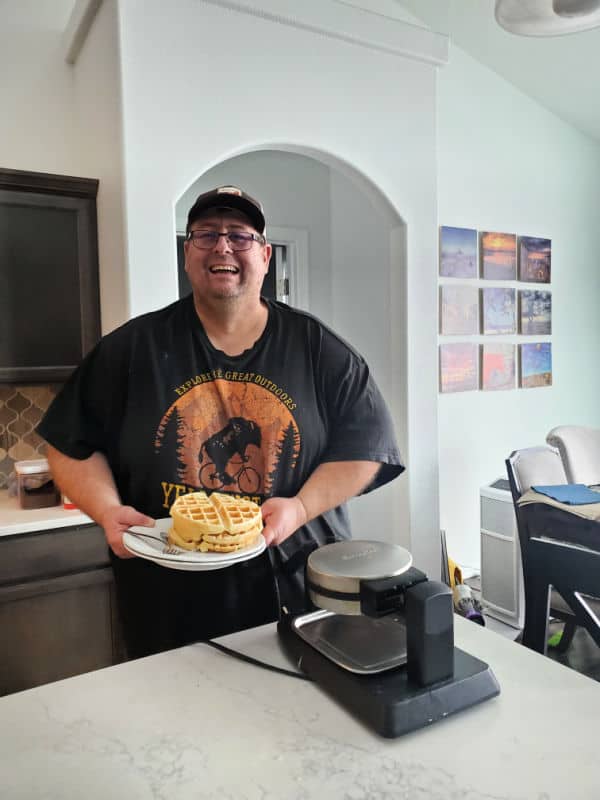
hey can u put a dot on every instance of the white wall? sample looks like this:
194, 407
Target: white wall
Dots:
362, 223
36, 94
360, 235
97, 102
507, 164
65, 119
358, 107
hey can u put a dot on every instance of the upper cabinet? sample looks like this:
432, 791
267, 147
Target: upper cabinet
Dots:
49, 288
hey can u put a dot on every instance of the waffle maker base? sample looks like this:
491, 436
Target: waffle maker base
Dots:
387, 702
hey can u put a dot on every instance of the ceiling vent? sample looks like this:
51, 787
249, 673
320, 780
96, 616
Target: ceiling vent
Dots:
547, 17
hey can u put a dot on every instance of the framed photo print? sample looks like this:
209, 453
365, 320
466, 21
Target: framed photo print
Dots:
535, 256
535, 312
498, 253
498, 310
459, 310
458, 252
536, 364
459, 367
498, 366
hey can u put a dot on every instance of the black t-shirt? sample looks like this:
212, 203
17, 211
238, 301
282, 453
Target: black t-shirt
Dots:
172, 414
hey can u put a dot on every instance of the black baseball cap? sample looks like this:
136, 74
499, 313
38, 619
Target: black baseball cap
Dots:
229, 197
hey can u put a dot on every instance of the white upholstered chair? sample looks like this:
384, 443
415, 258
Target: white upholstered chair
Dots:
579, 449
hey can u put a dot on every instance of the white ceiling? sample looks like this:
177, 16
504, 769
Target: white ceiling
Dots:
561, 72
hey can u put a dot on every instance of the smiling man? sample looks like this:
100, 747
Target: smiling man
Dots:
222, 390
226, 261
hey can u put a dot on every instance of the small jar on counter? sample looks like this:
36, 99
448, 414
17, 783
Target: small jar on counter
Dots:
35, 486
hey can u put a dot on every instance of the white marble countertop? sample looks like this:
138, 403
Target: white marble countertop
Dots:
194, 723
14, 519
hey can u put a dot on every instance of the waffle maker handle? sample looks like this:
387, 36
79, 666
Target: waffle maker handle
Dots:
427, 609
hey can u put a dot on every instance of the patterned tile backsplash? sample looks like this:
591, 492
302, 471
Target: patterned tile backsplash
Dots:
21, 408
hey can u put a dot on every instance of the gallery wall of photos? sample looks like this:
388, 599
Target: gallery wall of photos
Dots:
478, 271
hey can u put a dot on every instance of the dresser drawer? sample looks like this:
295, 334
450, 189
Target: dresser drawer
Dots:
61, 551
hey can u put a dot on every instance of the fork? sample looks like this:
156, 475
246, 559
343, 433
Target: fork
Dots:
168, 549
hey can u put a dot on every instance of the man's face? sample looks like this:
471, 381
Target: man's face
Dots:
220, 273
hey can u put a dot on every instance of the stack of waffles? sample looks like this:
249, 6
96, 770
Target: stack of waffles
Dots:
219, 523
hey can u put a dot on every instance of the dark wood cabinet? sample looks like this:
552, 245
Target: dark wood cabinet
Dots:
58, 614
49, 303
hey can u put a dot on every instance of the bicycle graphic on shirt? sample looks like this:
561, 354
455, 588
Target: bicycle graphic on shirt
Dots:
247, 478
220, 449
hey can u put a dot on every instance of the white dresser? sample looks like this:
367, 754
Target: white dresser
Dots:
501, 570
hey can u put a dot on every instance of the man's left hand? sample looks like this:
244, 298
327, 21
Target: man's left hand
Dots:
282, 516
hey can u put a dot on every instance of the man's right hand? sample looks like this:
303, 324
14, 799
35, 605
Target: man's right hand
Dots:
116, 520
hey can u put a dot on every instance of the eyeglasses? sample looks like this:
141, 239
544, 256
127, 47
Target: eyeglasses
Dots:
237, 240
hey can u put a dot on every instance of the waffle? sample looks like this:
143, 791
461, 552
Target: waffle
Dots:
238, 515
220, 523
194, 515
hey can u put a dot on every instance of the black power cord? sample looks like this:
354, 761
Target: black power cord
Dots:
249, 660
291, 566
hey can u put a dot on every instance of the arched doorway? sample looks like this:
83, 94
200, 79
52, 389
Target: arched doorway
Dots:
344, 247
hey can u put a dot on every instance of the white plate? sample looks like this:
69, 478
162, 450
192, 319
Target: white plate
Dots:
185, 559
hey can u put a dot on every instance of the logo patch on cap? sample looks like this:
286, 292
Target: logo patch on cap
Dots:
229, 190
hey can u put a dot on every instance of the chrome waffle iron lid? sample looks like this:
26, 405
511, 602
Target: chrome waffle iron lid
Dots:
334, 571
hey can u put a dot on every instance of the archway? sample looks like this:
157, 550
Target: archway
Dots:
350, 269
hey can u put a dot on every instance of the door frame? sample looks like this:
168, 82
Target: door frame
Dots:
296, 242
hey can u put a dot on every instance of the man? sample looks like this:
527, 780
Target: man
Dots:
226, 390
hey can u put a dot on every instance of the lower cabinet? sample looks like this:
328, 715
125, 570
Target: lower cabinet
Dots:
57, 607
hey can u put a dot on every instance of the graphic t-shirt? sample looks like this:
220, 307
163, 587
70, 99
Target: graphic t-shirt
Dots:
172, 414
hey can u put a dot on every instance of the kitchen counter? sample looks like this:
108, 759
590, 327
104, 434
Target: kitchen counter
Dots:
14, 519
195, 723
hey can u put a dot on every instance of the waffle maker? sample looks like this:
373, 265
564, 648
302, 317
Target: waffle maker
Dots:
381, 639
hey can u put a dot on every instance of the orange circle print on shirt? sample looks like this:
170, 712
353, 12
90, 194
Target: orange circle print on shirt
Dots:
230, 436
